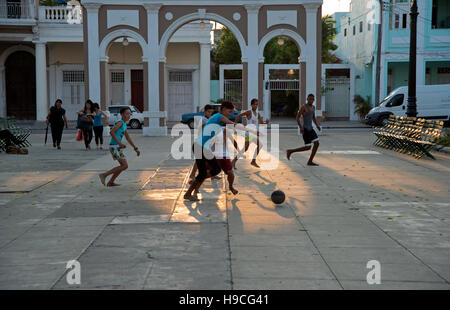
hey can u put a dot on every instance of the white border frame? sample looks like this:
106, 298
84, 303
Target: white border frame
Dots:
126, 68
195, 84
352, 116
222, 69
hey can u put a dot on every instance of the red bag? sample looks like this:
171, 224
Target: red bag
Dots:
79, 135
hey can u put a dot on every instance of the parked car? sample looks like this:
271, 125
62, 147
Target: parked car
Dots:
189, 117
136, 119
433, 102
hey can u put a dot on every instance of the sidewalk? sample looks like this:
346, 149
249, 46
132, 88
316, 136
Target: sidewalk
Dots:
363, 203
283, 122
291, 123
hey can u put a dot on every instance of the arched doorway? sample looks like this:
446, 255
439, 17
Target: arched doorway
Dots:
125, 73
202, 74
281, 78
292, 82
20, 82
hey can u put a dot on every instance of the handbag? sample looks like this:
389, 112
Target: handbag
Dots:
79, 135
86, 119
83, 124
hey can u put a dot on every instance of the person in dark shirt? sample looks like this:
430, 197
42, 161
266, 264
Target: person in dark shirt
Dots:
57, 118
86, 117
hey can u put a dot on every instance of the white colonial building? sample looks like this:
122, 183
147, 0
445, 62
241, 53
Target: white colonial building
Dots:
154, 55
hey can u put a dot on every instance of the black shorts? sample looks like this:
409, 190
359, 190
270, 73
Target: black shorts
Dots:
310, 136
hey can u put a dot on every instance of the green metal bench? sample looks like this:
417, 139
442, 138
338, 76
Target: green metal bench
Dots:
20, 134
409, 135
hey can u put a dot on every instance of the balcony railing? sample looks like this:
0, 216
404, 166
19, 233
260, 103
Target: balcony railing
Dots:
16, 11
60, 14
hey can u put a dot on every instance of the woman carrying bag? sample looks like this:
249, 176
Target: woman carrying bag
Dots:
86, 122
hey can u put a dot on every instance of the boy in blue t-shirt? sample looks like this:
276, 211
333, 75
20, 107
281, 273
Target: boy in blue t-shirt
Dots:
115, 147
202, 148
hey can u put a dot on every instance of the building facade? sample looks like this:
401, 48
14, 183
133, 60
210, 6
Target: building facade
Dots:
357, 39
42, 59
152, 54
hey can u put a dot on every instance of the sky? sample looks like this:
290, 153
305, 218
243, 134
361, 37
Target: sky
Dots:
331, 6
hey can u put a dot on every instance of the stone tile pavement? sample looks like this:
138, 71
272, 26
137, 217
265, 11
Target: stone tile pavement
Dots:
361, 204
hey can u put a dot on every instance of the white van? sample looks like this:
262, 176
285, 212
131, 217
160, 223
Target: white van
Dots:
433, 102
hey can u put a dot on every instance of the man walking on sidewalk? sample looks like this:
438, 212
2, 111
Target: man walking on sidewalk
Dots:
307, 113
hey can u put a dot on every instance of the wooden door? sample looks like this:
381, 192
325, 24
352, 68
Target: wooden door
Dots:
137, 89
20, 73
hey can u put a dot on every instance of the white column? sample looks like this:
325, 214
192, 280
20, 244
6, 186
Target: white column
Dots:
2, 92
221, 81
41, 81
252, 51
154, 114
311, 48
205, 74
93, 51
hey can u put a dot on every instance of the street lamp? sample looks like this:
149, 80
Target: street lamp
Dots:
280, 41
411, 110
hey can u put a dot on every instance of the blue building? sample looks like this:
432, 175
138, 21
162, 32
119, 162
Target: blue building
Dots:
357, 40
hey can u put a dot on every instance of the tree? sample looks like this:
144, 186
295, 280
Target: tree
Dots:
287, 53
328, 35
228, 50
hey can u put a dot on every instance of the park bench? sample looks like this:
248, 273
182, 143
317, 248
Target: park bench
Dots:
409, 135
20, 134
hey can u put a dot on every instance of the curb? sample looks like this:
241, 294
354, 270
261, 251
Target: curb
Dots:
441, 148
333, 127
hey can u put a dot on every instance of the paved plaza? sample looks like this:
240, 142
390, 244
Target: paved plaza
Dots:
362, 203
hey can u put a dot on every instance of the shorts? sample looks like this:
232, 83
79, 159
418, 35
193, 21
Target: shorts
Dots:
250, 136
310, 136
224, 163
116, 152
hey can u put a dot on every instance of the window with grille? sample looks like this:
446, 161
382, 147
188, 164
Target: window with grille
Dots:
442, 70
73, 87
181, 76
361, 26
73, 76
117, 77
397, 21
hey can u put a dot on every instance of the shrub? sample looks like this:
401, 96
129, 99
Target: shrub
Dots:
362, 106
444, 139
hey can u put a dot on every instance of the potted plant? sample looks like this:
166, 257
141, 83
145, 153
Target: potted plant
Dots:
362, 106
